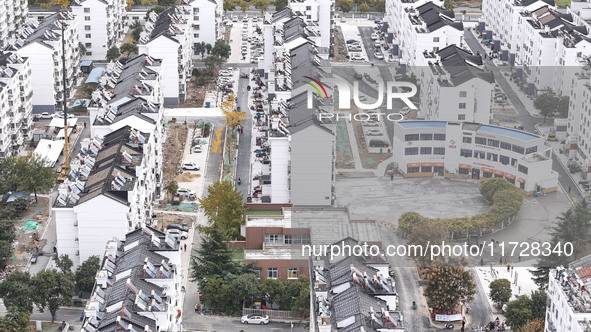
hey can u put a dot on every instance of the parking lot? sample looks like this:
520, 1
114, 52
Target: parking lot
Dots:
246, 40
365, 41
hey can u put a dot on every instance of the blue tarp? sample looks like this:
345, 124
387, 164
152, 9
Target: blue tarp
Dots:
80, 102
95, 75
85, 63
13, 196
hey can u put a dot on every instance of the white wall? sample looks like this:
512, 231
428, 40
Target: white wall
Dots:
42, 77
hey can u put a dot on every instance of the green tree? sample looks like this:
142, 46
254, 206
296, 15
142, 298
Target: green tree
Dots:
171, 188
113, 53
217, 294
424, 233
17, 291
447, 287
490, 187
364, 7
221, 49
449, 4
381, 6
300, 294
547, 103
128, 49
539, 304
64, 263
408, 220
52, 291
86, 273
81, 48
280, 4
212, 62
261, 4
167, 2
518, 312
229, 5
344, 5
15, 321
535, 325
500, 292
245, 288
573, 226
136, 34
8, 175
34, 174
244, 5
7, 237
224, 208
214, 258
563, 106
276, 291
208, 49
157, 10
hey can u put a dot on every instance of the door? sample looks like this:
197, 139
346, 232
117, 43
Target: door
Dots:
475, 174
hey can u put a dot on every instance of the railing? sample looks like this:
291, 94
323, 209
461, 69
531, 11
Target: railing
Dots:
276, 314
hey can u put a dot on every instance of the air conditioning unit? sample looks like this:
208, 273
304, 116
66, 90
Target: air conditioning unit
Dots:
76, 223
77, 252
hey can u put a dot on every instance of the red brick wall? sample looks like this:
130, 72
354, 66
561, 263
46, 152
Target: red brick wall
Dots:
255, 236
266, 206
282, 265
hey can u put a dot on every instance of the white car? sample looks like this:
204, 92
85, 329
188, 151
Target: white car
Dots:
378, 55
45, 115
405, 110
61, 115
378, 45
190, 167
371, 123
357, 56
373, 132
375, 36
355, 48
197, 149
254, 19
234, 18
225, 73
255, 319
178, 233
185, 191
245, 18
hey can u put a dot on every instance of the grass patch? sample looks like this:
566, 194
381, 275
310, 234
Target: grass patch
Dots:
238, 254
562, 3
263, 213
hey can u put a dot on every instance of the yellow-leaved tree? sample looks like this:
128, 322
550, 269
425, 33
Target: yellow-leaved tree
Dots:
217, 140
233, 118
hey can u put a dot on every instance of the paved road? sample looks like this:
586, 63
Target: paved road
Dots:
244, 148
70, 315
228, 324
527, 120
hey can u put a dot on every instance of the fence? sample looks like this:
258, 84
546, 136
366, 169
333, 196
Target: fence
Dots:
276, 314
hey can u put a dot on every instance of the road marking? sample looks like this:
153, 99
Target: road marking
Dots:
208, 324
70, 315
276, 328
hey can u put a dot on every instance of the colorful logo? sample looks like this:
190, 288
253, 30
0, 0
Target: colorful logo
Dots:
316, 88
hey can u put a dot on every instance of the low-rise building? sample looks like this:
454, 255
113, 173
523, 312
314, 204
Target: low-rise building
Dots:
569, 301
320, 13
138, 287
101, 25
473, 150
41, 43
206, 19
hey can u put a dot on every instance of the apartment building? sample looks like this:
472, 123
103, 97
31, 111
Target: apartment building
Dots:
476, 151
354, 293
15, 103
41, 43
101, 25
320, 13
13, 16
421, 26
578, 130
168, 36
455, 87
138, 287
569, 302
109, 192
206, 19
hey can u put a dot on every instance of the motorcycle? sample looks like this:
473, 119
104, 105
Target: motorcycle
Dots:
448, 326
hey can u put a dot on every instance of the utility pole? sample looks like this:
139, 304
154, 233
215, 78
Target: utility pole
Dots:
64, 98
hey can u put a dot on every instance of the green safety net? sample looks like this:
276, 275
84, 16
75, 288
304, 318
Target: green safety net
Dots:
13, 257
30, 216
30, 225
343, 143
189, 207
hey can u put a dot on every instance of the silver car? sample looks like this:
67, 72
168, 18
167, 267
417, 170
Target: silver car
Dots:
255, 319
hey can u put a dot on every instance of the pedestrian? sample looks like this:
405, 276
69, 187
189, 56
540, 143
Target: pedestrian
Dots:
185, 247
484, 56
84, 124
506, 260
508, 267
500, 259
519, 257
569, 189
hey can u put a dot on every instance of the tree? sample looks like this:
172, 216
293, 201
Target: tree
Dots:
113, 53
221, 50
380, 6
216, 144
86, 273
244, 5
408, 220
224, 208
64, 263
129, 3
212, 62
128, 49
233, 118
573, 226
217, 293
500, 291
198, 49
7, 237
490, 187
157, 10
535, 325
136, 34
15, 321
245, 288
344, 5
171, 188
275, 291
300, 294
17, 291
229, 5
34, 174
8, 175
261, 4
280, 4
563, 106
214, 258
424, 233
449, 4
208, 49
82, 48
538, 304
447, 287
364, 8
52, 290
518, 312
547, 103
167, 2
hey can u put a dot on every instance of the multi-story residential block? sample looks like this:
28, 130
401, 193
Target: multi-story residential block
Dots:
108, 193
421, 26
319, 12
138, 287
474, 150
168, 37
206, 19
41, 43
101, 25
569, 302
16, 103
578, 130
455, 87
13, 16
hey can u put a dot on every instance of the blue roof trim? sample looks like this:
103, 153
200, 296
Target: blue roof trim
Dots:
518, 134
423, 124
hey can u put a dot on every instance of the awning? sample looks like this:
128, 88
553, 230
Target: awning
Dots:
60, 135
413, 165
59, 122
521, 180
437, 164
427, 164
464, 166
487, 170
510, 176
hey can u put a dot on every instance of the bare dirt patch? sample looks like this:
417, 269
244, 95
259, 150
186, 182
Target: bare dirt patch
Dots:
165, 219
368, 160
24, 244
175, 146
186, 177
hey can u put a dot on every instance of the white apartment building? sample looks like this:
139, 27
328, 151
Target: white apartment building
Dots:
138, 287
101, 25
474, 150
109, 192
455, 87
319, 12
15, 103
421, 26
41, 43
206, 19
168, 36
578, 129
569, 301
13, 16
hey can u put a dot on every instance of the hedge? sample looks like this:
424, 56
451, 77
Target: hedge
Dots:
506, 202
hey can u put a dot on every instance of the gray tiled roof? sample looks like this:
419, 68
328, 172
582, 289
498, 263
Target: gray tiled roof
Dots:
460, 63
435, 17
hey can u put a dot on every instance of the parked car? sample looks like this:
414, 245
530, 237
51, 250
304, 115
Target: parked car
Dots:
34, 259
378, 143
197, 149
375, 36
190, 167
61, 115
405, 110
357, 56
225, 73
255, 19
377, 45
245, 18
179, 227
352, 41
45, 115
379, 55
354, 48
254, 319
234, 18
185, 191
370, 123
373, 132
178, 233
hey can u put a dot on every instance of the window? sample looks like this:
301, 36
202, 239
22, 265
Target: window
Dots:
195, 35
464, 171
86, 27
87, 10
439, 151
88, 35
308, 17
493, 142
87, 44
257, 272
411, 137
308, 7
492, 156
411, 151
518, 149
436, 39
504, 160
195, 18
88, 53
426, 150
467, 139
486, 175
531, 149
466, 153
87, 18
435, 49
426, 169
274, 238
195, 10
439, 137
196, 26
513, 162
292, 273
480, 140
463, 94
426, 137
296, 239
461, 117
413, 169
272, 272
522, 169
505, 145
